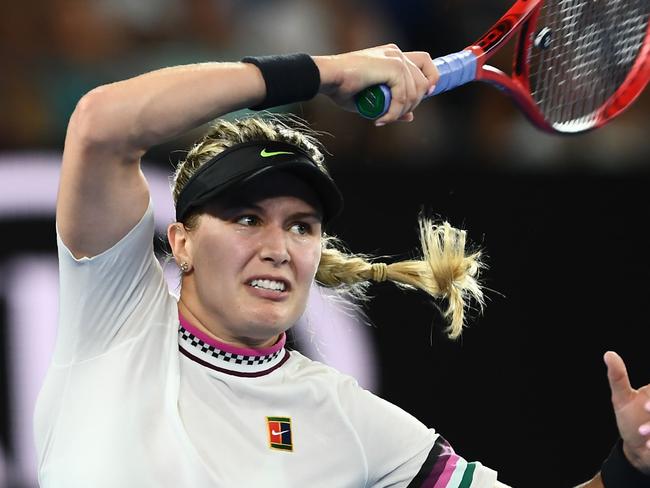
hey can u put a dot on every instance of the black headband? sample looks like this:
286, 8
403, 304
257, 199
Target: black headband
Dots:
242, 162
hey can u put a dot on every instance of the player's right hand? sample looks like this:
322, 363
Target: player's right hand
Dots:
409, 75
632, 410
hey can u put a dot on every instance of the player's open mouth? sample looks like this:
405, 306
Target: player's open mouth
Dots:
278, 286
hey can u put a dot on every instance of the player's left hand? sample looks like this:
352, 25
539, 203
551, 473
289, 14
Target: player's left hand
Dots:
632, 410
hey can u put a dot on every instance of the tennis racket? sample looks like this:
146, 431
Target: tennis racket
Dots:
577, 63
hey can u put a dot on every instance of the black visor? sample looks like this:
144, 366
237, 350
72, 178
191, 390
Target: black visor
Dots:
243, 162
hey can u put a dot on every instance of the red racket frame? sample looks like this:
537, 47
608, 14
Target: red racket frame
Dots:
521, 18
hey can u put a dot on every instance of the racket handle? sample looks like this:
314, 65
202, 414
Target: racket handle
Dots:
455, 69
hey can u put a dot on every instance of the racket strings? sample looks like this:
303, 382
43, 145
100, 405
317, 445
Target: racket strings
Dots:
593, 45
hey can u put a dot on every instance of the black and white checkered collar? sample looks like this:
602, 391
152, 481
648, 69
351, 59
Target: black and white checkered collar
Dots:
218, 356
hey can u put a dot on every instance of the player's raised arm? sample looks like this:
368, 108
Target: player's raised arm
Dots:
102, 191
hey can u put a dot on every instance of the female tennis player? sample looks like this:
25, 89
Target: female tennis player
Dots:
147, 390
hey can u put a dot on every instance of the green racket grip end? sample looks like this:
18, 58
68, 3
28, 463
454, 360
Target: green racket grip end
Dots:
373, 102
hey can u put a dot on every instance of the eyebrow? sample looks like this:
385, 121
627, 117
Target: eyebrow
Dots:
295, 215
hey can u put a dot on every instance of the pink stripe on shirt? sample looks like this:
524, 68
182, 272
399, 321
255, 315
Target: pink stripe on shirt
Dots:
449, 469
443, 468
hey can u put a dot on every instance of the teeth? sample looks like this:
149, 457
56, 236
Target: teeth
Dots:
268, 284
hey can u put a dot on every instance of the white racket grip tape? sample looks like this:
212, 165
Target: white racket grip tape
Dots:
455, 69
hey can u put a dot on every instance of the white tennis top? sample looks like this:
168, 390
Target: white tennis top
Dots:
137, 397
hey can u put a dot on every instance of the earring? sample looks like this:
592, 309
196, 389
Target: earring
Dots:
185, 267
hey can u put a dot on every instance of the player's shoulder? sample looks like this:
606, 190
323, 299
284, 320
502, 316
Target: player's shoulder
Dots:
139, 237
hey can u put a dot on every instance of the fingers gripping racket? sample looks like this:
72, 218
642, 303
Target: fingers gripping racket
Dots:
577, 63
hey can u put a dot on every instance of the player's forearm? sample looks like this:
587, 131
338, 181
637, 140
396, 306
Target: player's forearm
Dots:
141, 112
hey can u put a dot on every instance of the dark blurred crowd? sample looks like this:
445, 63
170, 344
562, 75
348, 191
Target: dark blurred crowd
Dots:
54, 51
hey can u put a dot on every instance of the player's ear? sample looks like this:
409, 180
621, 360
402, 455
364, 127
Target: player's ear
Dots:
180, 241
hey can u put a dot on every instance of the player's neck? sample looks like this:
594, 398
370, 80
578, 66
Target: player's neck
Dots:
185, 310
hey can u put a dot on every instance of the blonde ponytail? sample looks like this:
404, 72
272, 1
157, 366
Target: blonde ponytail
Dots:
444, 271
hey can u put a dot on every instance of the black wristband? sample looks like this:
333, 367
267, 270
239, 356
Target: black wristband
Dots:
617, 472
289, 78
